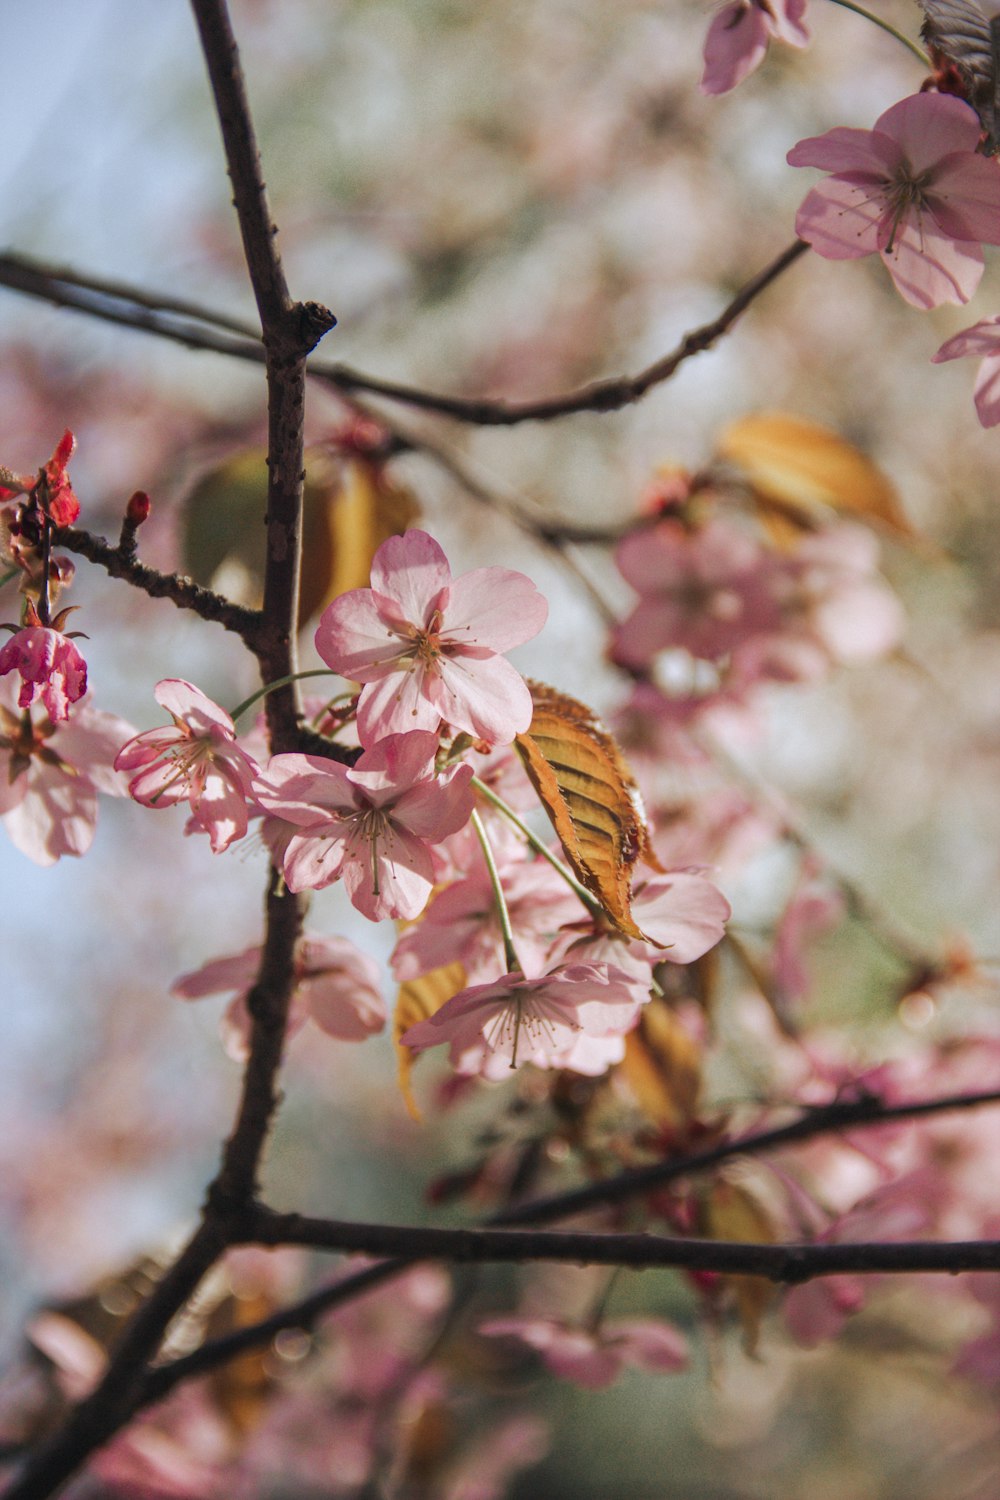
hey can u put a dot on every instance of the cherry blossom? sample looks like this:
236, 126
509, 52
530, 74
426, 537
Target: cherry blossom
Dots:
913, 189
370, 824
428, 646
50, 666
50, 775
738, 38
336, 985
195, 760
594, 1358
529, 1020
983, 339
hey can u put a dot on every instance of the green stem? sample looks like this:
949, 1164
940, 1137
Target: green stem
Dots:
279, 682
859, 10
510, 953
593, 906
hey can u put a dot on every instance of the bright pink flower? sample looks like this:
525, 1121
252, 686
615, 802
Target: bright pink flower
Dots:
428, 646
529, 1020
336, 985
371, 824
738, 37
594, 1358
983, 339
50, 666
50, 775
195, 760
914, 189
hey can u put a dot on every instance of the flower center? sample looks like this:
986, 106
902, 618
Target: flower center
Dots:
907, 190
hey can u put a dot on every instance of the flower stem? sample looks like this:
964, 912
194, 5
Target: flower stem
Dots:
279, 682
859, 10
510, 953
590, 902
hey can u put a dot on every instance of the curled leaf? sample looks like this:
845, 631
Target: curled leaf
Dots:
799, 469
419, 999
585, 786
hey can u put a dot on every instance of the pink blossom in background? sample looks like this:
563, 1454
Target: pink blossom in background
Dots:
702, 591
981, 339
524, 1020
427, 646
594, 1358
371, 824
336, 985
50, 666
738, 38
195, 760
812, 909
50, 775
914, 190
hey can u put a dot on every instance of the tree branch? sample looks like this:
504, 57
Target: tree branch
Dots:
179, 319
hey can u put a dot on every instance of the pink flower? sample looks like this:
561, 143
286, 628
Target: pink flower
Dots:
428, 646
594, 1358
371, 824
50, 775
529, 1020
982, 338
738, 36
50, 666
336, 985
461, 923
195, 760
914, 189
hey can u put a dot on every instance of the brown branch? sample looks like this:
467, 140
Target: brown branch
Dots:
790, 1264
178, 319
186, 594
290, 330
865, 1112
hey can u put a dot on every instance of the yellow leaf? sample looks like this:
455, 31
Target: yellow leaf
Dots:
418, 999
801, 468
584, 784
349, 509
732, 1212
662, 1065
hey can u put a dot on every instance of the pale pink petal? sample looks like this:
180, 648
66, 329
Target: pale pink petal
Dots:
394, 764
735, 45
488, 698
353, 637
493, 607
342, 1005
185, 701
397, 704
788, 22
310, 862
220, 810
411, 569
981, 338
389, 877
647, 1344
847, 150
57, 816
684, 912
965, 198
987, 391
841, 219
219, 975
304, 789
929, 126
929, 268
591, 1056
437, 809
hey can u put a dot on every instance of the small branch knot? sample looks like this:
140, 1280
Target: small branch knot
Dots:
315, 321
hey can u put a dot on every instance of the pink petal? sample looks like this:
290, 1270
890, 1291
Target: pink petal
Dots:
684, 912
787, 22
846, 150
354, 638
981, 338
219, 975
841, 219
488, 698
394, 765
648, 1344
437, 809
965, 198
184, 701
735, 45
311, 862
929, 126
412, 570
930, 268
305, 789
493, 607
395, 704
389, 877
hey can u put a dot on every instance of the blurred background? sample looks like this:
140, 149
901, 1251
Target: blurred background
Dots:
500, 200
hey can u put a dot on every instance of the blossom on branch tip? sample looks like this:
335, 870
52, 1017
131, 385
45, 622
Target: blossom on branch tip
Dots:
914, 189
371, 824
196, 759
427, 647
982, 338
50, 666
739, 35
